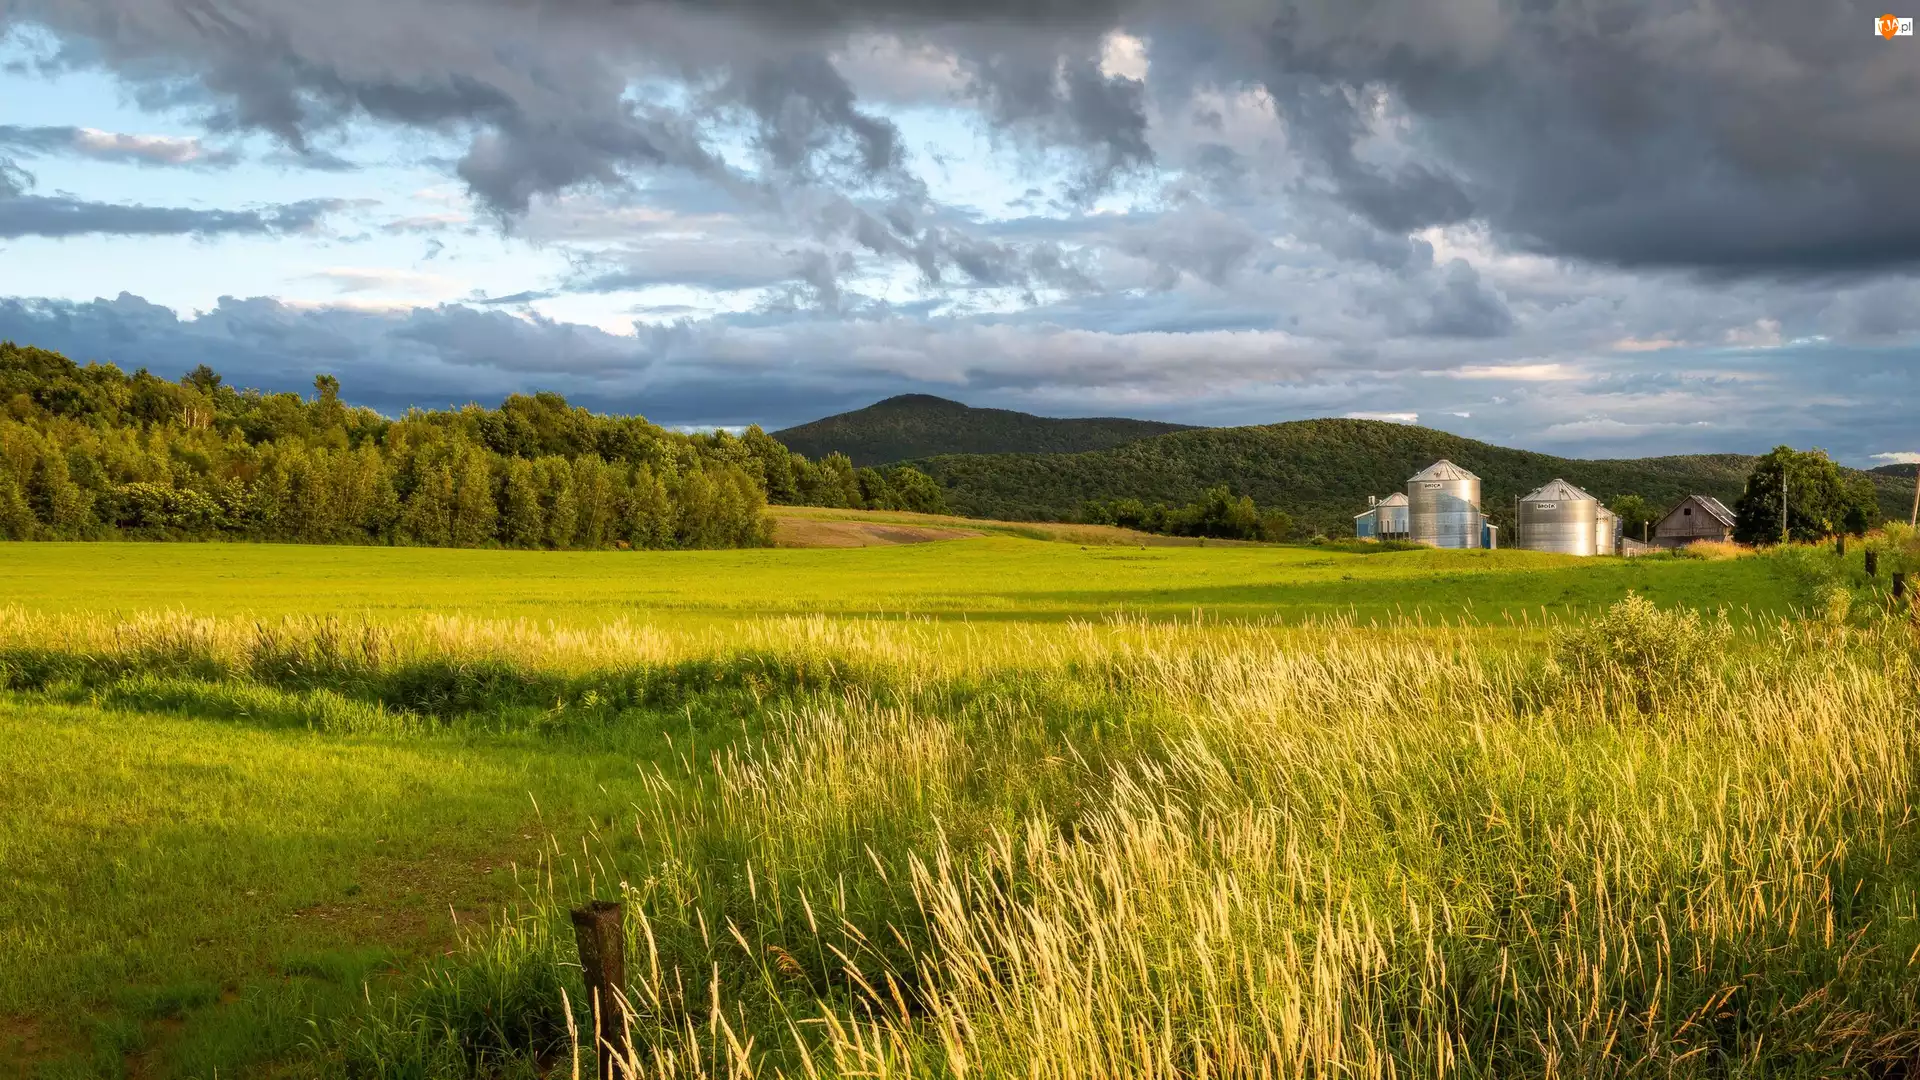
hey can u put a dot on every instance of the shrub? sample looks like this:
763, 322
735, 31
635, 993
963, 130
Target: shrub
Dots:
1642, 653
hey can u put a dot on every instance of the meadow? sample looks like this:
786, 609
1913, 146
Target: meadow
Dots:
977, 808
999, 577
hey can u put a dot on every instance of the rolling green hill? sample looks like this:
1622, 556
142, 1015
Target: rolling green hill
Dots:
920, 425
1320, 471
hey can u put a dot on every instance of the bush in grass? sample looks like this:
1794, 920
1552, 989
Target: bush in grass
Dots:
1637, 649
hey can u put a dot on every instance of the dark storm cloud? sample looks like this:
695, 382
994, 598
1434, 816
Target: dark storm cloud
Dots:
63, 216
805, 109
1774, 136
778, 370
1062, 99
542, 93
13, 179
1462, 306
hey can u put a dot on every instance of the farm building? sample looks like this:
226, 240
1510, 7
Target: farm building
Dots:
1384, 519
1560, 517
1696, 517
1443, 508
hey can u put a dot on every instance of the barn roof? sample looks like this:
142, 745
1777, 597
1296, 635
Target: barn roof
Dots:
1714, 508
1442, 470
1717, 508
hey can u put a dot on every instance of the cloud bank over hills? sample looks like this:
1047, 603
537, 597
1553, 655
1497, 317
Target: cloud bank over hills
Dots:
1596, 228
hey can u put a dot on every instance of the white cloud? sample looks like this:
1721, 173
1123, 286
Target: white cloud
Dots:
1646, 344
382, 279
1550, 372
169, 149
1123, 56
1390, 417
1897, 457
1760, 334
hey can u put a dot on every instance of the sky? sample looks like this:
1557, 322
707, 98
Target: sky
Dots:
1587, 227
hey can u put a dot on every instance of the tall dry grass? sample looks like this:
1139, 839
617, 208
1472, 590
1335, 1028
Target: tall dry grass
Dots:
1146, 851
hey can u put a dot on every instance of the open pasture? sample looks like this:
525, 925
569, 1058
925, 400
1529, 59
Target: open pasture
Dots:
994, 578
1054, 826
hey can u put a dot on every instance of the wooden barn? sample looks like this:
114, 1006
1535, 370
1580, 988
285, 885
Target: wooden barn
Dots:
1696, 517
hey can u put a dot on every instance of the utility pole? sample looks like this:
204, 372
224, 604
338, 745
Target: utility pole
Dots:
1914, 518
1783, 501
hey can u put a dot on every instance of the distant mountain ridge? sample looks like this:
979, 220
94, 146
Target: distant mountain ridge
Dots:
1321, 472
922, 425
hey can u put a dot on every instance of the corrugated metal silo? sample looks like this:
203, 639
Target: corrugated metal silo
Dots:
1443, 506
1606, 532
1392, 517
1557, 517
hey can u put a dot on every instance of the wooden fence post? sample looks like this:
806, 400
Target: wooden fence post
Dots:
1840, 545
1873, 563
1899, 584
598, 931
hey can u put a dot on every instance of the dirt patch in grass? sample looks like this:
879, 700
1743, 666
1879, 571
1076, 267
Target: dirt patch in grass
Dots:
26, 1041
814, 526
815, 533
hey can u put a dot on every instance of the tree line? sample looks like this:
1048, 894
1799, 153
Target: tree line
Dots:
92, 452
1218, 513
1820, 500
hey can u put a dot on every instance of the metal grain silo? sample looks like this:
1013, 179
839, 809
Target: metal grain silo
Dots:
1606, 532
1557, 517
1392, 516
1443, 506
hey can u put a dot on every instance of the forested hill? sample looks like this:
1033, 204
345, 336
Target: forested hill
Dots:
1319, 471
920, 425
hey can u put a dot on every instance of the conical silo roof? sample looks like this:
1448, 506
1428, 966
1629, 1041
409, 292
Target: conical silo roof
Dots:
1557, 491
1398, 498
1442, 470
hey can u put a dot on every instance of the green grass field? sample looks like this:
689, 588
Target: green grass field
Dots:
316, 812
992, 578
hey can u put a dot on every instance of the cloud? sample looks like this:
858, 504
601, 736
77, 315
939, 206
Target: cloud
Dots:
1389, 417
778, 368
63, 216
363, 279
706, 262
97, 145
1753, 140
1553, 372
1621, 216
1463, 306
1640, 345
1897, 457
